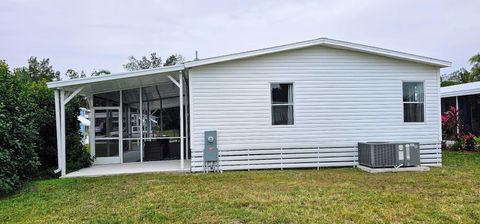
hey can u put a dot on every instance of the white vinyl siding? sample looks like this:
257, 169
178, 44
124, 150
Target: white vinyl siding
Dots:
341, 97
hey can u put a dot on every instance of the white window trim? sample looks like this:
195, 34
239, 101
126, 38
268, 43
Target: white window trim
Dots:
424, 104
283, 104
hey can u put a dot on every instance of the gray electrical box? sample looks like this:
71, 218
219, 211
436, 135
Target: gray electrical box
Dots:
388, 154
210, 152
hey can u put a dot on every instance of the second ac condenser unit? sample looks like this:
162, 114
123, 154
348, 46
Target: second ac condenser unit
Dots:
388, 154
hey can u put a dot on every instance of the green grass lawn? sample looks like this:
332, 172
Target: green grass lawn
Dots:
443, 195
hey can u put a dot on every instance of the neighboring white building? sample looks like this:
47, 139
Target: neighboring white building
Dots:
305, 104
465, 97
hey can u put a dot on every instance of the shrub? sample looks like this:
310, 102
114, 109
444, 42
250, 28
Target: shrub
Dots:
38, 73
452, 124
469, 142
77, 154
477, 140
27, 126
18, 132
457, 146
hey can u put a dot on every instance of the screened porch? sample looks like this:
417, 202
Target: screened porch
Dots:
135, 118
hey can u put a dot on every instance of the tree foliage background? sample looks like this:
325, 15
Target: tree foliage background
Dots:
27, 125
463, 75
153, 61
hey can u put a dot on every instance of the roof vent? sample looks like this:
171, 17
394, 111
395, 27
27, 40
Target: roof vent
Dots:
196, 56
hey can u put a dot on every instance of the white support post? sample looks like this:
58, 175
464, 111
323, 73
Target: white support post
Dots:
62, 132
456, 102
120, 128
187, 129
59, 131
149, 126
458, 109
141, 125
91, 129
161, 114
182, 147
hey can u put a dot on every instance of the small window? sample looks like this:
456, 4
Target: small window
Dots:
282, 103
413, 102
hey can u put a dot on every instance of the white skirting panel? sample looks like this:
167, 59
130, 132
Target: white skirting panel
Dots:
309, 157
431, 154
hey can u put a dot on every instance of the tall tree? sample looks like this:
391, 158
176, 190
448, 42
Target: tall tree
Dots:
174, 59
153, 61
475, 62
39, 70
72, 74
100, 72
145, 63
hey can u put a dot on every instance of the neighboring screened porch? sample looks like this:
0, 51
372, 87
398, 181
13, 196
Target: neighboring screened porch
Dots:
138, 118
469, 108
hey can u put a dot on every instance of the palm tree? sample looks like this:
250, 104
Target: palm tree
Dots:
475, 62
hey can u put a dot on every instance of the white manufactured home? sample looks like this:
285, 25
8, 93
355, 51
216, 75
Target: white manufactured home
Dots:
300, 105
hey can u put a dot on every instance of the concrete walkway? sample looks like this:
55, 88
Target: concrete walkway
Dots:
129, 168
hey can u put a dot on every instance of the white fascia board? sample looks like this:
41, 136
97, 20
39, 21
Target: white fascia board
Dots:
82, 81
322, 42
387, 53
253, 53
471, 88
460, 93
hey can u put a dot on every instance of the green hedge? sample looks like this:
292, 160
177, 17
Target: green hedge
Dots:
28, 129
18, 132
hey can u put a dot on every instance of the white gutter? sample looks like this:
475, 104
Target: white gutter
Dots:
82, 81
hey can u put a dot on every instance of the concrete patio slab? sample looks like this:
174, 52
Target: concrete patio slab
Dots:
130, 168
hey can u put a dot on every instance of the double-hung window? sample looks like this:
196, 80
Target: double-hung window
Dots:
282, 103
413, 102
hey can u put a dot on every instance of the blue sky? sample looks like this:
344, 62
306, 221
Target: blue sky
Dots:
101, 34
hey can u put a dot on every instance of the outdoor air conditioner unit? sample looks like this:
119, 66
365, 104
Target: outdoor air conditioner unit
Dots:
388, 154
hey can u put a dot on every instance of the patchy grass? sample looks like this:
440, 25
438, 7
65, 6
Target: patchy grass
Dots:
443, 195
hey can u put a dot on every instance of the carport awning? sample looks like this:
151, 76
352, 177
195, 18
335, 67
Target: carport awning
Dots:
119, 81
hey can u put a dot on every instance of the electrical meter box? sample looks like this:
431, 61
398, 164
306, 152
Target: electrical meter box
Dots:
210, 153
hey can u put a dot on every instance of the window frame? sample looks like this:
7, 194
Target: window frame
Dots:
283, 104
424, 103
